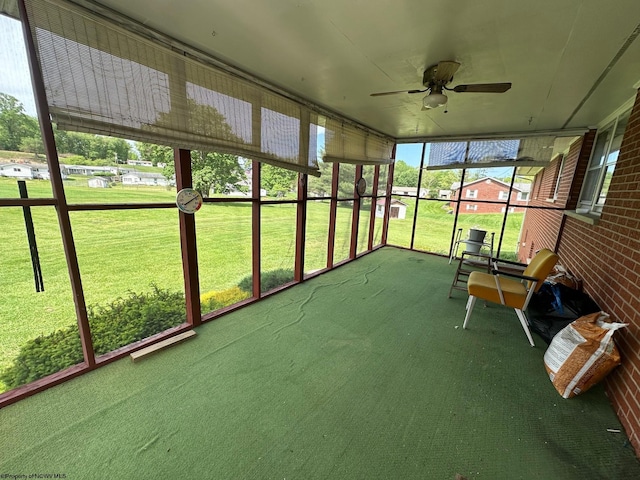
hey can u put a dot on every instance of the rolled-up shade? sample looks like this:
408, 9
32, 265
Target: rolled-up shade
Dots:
527, 151
103, 79
348, 144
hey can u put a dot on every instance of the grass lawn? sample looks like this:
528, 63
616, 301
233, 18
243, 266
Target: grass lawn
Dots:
121, 251
434, 228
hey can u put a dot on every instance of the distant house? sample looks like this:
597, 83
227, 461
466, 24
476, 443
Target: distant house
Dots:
475, 195
144, 163
89, 170
397, 209
27, 171
98, 182
145, 179
411, 191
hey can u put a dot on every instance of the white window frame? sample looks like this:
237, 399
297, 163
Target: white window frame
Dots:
473, 206
520, 196
601, 163
503, 195
560, 169
472, 193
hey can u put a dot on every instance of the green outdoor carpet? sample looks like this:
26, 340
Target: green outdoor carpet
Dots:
362, 373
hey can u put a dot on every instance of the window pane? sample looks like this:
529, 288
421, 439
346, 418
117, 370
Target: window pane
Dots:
382, 179
278, 246
320, 186
21, 148
400, 221
368, 172
27, 315
95, 179
379, 222
440, 183
621, 126
131, 269
346, 180
600, 148
589, 187
317, 235
606, 182
512, 233
484, 216
342, 242
363, 225
224, 254
433, 227
278, 183
407, 165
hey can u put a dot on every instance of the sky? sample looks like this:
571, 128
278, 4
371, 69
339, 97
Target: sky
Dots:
410, 153
14, 69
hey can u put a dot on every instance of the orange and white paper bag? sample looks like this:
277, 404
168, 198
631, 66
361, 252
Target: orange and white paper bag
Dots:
582, 354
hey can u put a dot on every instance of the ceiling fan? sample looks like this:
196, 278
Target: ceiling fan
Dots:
435, 79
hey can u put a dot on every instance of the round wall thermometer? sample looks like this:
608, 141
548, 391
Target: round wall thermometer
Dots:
189, 200
361, 186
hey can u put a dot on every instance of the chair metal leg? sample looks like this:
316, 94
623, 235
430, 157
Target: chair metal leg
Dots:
525, 325
470, 303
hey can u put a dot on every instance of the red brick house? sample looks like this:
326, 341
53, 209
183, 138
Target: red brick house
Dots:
489, 195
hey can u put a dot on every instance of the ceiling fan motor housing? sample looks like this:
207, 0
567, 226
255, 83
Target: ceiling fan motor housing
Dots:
428, 76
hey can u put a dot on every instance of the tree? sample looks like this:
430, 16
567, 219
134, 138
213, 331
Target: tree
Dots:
346, 180
32, 145
405, 175
321, 186
92, 147
15, 124
435, 180
475, 174
277, 181
156, 154
220, 172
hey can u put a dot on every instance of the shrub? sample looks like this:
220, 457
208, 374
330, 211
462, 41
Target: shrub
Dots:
124, 321
138, 316
268, 280
43, 356
214, 300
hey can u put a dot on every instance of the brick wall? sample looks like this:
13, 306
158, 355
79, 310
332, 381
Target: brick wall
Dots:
541, 228
607, 257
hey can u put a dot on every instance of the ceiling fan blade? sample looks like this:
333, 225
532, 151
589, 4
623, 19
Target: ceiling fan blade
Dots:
483, 88
380, 94
445, 70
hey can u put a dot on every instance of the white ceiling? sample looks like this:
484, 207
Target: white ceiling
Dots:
334, 53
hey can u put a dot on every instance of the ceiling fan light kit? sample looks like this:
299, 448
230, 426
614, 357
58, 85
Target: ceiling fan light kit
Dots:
435, 98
